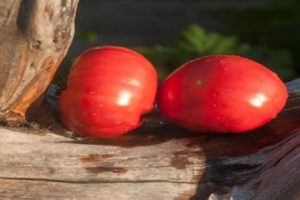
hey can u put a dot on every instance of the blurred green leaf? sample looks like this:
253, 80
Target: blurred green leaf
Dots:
279, 61
196, 42
87, 36
276, 26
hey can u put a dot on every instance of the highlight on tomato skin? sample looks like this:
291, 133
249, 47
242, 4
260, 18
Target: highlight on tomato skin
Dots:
108, 89
221, 94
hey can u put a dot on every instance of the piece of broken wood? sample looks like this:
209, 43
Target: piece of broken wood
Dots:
157, 163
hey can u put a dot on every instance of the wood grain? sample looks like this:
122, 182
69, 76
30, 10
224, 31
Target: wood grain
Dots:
163, 162
34, 37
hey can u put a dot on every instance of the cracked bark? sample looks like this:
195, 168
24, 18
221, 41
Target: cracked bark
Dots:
157, 163
34, 37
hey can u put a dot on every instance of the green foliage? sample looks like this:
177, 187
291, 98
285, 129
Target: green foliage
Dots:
87, 36
279, 61
276, 26
195, 42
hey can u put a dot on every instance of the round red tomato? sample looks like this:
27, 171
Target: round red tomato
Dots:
221, 94
108, 89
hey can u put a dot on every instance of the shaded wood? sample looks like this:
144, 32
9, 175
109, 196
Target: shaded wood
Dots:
24, 189
157, 163
34, 37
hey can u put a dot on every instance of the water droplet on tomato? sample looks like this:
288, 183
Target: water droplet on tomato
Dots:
125, 129
134, 82
208, 60
92, 92
225, 68
222, 64
222, 94
226, 125
275, 99
170, 96
223, 61
93, 114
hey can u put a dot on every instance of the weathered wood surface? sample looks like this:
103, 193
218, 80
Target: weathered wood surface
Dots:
34, 37
159, 163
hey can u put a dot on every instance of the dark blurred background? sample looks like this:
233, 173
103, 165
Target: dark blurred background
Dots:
170, 32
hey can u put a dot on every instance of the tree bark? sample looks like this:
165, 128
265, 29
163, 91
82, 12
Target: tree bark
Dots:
34, 37
157, 163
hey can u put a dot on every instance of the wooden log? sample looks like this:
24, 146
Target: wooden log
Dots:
157, 163
34, 37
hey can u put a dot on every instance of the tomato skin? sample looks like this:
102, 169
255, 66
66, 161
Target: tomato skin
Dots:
108, 89
221, 94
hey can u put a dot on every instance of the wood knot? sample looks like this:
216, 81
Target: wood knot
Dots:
94, 157
180, 160
35, 45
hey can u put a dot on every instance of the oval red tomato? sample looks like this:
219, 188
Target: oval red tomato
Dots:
222, 94
108, 89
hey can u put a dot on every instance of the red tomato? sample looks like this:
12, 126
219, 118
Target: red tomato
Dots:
108, 89
221, 94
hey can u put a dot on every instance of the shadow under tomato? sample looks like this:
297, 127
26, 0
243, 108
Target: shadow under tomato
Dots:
224, 163
142, 136
227, 156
